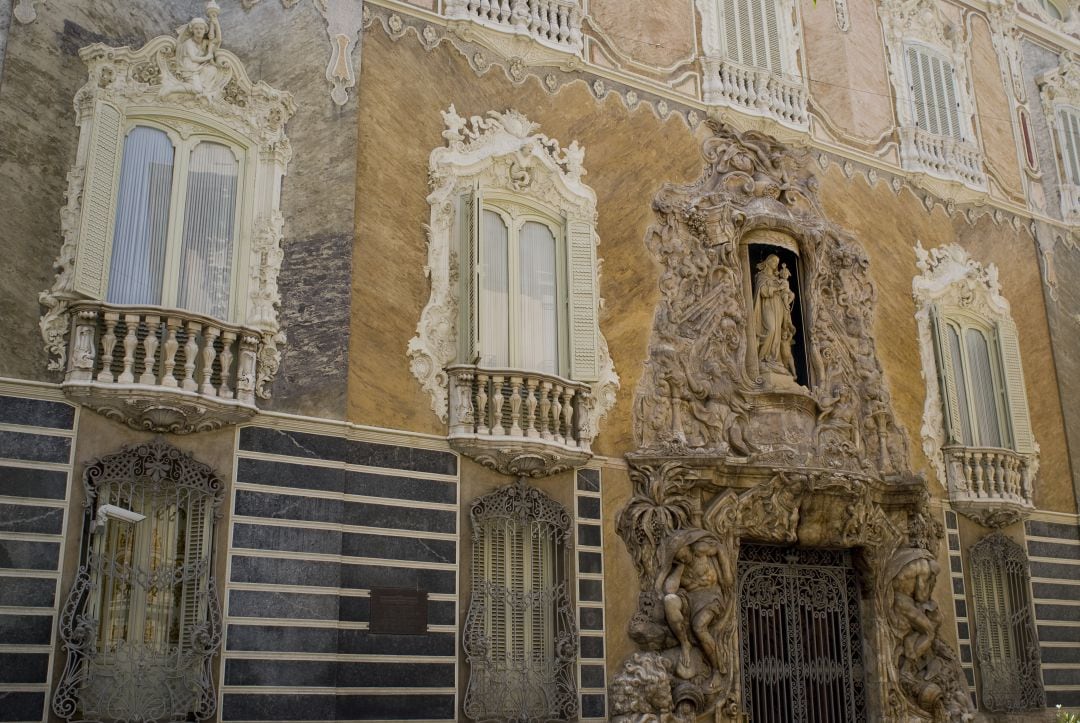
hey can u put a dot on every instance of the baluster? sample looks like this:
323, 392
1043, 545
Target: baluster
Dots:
991, 474
575, 28
481, 404
1014, 478
485, 9
228, 338
564, 28
519, 14
131, 341
583, 427
551, 21
535, 23
980, 490
209, 353
108, 343
530, 408
245, 369
556, 413
461, 406
506, 12
84, 348
168, 362
515, 406
497, 404
568, 416
150, 345
545, 405
191, 348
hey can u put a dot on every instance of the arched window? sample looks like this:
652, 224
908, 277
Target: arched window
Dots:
520, 635
1006, 644
143, 615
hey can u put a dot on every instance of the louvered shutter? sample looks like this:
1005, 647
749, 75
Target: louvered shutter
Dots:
752, 33
934, 95
197, 568
1070, 144
468, 225
918, 88
582, 302
98, 194
950, 101
1013, 375
946, 371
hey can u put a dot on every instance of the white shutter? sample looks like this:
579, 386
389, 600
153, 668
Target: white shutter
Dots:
197, 567
1070, 144
582, 302
1013, 374
731, 20
946, 372
98, 194
951, 101
772, 37
918, 88
468, 223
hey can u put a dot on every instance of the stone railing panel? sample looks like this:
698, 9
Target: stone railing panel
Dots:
554, 23
990, 484
757, 90
942, 156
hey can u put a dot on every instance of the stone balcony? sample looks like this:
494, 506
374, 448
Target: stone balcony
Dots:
164, 370
942, 157
553, 25
989, 484
519, 422
756, 91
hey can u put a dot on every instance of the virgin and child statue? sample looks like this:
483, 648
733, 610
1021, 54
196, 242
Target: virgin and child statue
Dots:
773, 301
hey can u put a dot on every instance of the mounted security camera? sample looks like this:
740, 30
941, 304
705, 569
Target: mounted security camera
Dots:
112, 512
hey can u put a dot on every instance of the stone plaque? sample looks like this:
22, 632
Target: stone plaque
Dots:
398, 611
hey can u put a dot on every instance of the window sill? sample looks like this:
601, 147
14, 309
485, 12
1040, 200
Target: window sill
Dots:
993, 486
519, 422
163, 370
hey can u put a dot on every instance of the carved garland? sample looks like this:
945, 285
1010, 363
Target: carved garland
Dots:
219, 92
498, 152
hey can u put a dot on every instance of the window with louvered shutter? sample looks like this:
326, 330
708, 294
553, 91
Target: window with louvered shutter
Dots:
1006, 644
752, 33
934, 97
1069, 136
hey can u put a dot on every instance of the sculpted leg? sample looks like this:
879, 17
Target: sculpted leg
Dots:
702, 622
676, 617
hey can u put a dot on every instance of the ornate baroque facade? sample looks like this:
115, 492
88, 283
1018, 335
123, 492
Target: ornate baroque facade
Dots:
692, 360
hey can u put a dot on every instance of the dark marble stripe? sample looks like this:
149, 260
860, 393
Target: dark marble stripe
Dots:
1060, 655
27, 592
1046, 613
26, 629
28, 482
23, 667
395, 707
299, 476
589, 535
1038, 528
1055, 591
1065, 551
31, 518
27, 555
282, 639
282, 706
316, 509
36, 412
592, 676
1060, 571
588, 508
591, 646
1061, 676
593, 706
34, 447
310, 606
333, 574
588, 480
351, 544
1064, 698
22, 706
591, 590
317, 446
954, 542
1049, 633
317, 673
591, 618
590, 562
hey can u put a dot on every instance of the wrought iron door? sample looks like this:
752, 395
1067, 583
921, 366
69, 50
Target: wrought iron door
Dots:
801, 640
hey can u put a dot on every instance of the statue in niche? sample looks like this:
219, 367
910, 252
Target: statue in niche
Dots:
773, 299
197, 69
697, 586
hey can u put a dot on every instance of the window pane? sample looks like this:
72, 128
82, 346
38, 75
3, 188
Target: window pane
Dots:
207, 251
142, 218
982, 392
539, 300
494, 292
961, 386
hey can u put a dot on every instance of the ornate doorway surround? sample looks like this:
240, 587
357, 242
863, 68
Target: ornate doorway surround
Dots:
762, 416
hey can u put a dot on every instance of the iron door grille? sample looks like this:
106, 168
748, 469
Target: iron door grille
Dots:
801, 640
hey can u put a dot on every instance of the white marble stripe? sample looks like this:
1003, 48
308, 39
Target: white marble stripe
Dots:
326, 495
336, 527
295, 655
348, 467
29, 429
342, 559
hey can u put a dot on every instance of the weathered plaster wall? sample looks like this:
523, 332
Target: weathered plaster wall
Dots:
5, 25
658, 34
849, 81
38, 137
994, 111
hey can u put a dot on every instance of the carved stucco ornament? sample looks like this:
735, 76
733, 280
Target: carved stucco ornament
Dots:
725, 455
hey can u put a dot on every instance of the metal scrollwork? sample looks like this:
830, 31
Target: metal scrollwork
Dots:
143, 622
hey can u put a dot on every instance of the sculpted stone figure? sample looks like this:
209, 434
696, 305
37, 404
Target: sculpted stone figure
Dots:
840, 413
197, 69
773, 299
697, 589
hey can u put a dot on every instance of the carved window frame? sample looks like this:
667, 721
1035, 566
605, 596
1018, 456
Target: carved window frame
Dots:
125, 85
503, 156
1059, 92
1006, 642
953, 288
122, 558
502, 560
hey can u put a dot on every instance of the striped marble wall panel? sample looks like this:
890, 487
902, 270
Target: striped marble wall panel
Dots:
317, 522
36, 447
1054, 554
589, 544
960, 601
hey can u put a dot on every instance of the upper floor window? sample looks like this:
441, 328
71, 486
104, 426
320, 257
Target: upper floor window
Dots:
177, 206
520, 635
146, 589
509, 345
1059, 91
935, 102
976, 424
1006, 644
753, 33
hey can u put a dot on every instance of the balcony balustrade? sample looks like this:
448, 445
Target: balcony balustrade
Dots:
942, 156
758, 91
519, 422
990, 484
553, 23
161, 369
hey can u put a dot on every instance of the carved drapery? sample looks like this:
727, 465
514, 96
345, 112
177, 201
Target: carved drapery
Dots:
727, 453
